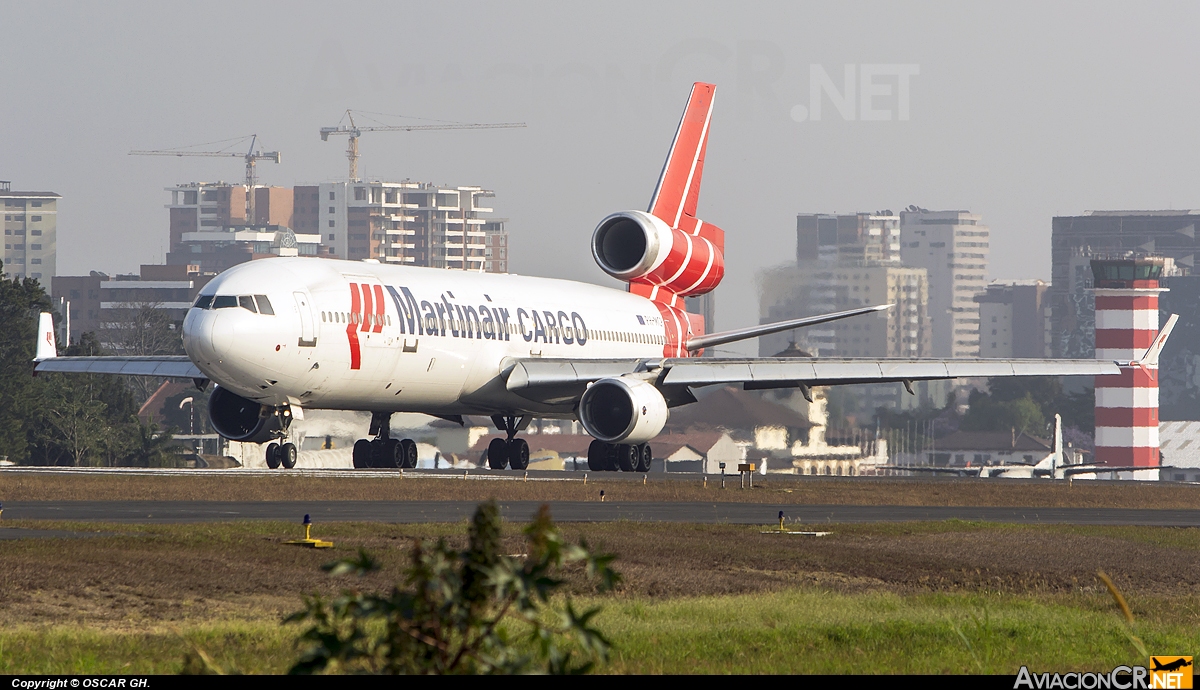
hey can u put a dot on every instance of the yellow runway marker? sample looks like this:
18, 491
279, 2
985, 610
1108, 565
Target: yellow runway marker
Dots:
308, 540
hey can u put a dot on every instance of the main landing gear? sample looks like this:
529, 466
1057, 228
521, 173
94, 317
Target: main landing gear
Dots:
511, 451
384, 451
281, 454
609, 457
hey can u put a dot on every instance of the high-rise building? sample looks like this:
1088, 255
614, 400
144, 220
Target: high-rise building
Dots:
1077, 239
30, 233
844, 261
953, 247
1012, 320
413, 223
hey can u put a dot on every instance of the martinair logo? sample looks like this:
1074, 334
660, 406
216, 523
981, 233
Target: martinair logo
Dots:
1165, 672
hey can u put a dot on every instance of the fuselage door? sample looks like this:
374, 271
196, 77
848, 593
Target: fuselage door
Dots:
308, 337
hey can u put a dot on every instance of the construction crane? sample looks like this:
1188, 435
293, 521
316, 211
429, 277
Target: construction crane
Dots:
354, 132
251, 157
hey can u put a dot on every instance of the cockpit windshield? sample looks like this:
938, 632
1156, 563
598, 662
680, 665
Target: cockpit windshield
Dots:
258, 304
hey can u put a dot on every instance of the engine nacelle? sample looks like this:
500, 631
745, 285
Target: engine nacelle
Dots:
622, 410
636, 246
239, 419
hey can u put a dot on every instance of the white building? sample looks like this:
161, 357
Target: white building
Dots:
413, 223
952, 246
30, 233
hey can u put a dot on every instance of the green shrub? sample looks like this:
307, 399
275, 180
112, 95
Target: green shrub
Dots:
455, 611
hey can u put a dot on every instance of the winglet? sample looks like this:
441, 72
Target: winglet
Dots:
1150, 357
46, 348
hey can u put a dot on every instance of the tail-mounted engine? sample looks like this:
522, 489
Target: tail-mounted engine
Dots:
641, 248
622, 410
239, 419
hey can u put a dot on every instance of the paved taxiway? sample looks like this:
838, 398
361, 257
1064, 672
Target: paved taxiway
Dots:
574, 511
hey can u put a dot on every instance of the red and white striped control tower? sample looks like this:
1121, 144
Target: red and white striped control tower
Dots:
1127, 292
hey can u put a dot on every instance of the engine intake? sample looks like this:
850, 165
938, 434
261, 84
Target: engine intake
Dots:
239, 419
622, 410
638, 247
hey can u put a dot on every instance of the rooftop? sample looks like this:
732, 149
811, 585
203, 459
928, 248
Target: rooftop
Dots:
730, 408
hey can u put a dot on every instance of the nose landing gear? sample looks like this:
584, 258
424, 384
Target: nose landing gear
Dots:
511, 451
384, 451
281, 455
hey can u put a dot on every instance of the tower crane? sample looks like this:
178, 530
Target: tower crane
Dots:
251, 157
354, 132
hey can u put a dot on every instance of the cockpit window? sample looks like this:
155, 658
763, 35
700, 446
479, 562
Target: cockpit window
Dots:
224, 301
264, 305
247, 303
203, 302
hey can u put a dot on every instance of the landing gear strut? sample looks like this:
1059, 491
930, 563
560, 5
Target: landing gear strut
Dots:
609, 457
281, 454
511, 451
384, 451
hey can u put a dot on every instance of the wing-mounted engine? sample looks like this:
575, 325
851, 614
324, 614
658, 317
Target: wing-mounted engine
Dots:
239, 419
622, 410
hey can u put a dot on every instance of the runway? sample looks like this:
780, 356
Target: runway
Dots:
575, 511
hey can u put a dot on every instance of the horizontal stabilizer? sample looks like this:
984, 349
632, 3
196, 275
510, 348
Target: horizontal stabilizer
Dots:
714, 339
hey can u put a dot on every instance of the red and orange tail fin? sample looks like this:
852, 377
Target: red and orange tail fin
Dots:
695, 263
678, 187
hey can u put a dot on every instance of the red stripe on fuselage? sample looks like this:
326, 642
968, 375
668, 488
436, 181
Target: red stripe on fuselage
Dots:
368, 308
352, 328
380, 307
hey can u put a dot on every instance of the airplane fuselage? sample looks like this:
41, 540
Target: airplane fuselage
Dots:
379, 337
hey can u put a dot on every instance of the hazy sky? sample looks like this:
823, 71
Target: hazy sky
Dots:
1017, 111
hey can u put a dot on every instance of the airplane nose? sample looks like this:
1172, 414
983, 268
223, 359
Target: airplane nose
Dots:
198, 336
221, 336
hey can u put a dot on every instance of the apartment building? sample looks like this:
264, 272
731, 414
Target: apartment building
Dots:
30, 233
952, 246
412, 223
1012, 319
844, 261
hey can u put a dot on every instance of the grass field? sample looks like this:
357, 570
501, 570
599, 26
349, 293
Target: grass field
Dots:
772, 489
918, 597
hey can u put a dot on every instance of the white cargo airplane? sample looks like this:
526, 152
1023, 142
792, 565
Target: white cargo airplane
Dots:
281, 336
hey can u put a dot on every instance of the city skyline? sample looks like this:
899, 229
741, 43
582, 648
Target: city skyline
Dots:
1018, 114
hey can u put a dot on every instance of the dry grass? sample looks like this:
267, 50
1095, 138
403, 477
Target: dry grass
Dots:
150, 577
775, 489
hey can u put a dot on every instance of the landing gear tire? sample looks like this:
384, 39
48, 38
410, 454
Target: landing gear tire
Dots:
610, 457
644, 457
627, 456
362, 454
287, 455
497, 454
518, 454
391, 456
273, 456
598, 456
408, 453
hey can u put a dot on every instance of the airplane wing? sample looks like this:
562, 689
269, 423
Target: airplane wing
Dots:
558, 380
165, 366
47, 359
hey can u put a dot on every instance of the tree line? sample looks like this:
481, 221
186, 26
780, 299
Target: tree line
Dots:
66, 419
